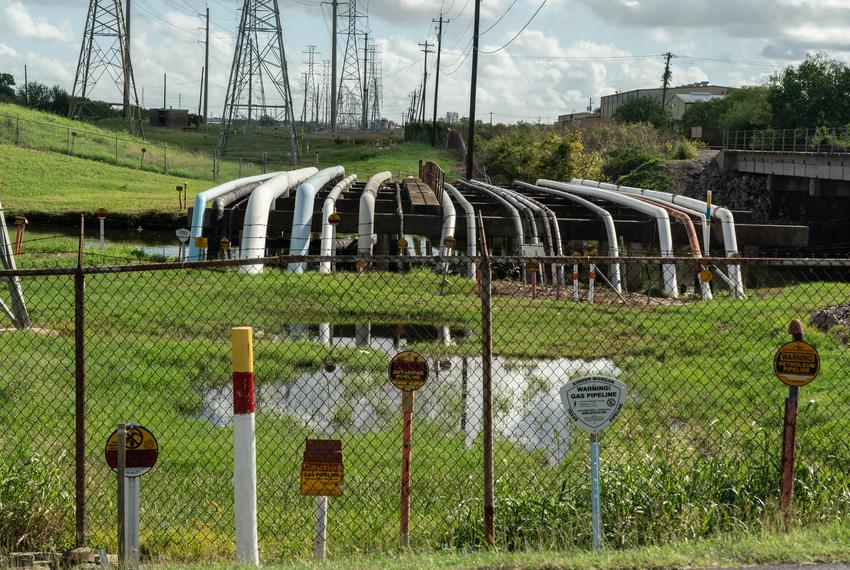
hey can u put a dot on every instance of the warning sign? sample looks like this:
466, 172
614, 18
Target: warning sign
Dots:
322, 468
705, 276
593, 402
142, 451
796, 363
408, 371
201, 242
334, 218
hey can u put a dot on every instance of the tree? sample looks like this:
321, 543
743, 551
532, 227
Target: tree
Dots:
642, 110
814, 94
747, 108
39, 96
7, 84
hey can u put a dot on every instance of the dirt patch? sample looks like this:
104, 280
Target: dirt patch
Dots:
828, 317
601, 296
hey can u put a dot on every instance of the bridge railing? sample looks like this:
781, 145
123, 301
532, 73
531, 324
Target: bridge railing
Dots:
826, 140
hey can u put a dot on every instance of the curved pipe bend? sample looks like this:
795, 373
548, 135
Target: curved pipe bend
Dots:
328, 246
471, 231
302, 215
254, 232
366, 215
520, 236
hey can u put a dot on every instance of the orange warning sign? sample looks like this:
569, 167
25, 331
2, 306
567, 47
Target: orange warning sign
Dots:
322, 469
797, 363
408, 371
142, 451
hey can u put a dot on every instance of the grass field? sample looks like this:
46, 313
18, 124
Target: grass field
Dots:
819, 544
177, 155
694, 454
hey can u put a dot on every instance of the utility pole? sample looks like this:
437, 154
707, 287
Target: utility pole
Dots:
126, 63
201, 93
207, 68
666, 78
363, 120
334, 4
470, 143
426, 48
164, 89
491, 118
26, 87
437, 79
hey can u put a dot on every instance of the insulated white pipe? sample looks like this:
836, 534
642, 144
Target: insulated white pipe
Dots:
517, 203
449, 219
607, 221
366, 215
727, 221
471, 231
665, 238
328, 245
262, 200
17, 313
302, 215
200, 206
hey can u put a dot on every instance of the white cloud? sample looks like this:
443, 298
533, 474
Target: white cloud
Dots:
21, 24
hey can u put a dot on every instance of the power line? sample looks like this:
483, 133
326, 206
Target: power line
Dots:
534, 15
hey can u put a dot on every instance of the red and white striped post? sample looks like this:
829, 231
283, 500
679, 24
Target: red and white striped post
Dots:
244, 447
575, 281
591, 282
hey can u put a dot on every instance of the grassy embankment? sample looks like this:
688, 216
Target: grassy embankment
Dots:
50, 183
694, 454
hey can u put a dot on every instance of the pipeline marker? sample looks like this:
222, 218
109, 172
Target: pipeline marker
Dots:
796, 363
408, 371
705, 276
322, 468
142, 451
202, 242
334, 218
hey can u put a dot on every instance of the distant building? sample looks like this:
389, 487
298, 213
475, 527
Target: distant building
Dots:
582, 119
452, 118
170, 118
610, 103
679, 103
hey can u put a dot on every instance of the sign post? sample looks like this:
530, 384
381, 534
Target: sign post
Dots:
593, 403
20, 225
408, 372
131, 451
183, 234
102, 214
322, 476
796, 364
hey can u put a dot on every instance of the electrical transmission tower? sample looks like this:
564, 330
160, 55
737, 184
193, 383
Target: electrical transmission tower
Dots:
105, 55
258, 90
311, 103
325, 91
349, 100
376, 95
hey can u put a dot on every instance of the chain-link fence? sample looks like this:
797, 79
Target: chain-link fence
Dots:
695, 452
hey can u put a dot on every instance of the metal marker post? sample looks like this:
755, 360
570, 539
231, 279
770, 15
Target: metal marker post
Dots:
102, 233
321, 527
407, 432
131, 525
591, 282
789, 437
244, 447
594, 491
122, 510
575, 282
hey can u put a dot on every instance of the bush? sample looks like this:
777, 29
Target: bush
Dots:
650, 175
685, 150
623, 161
36, 506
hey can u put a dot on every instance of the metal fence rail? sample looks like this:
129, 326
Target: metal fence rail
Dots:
694, 453
825, 140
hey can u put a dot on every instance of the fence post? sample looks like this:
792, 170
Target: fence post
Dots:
165, 159
487, 380
116, 148
215, 166
69, 141
80, 393
17, 131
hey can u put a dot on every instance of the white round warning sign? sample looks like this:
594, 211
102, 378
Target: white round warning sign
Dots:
593, 402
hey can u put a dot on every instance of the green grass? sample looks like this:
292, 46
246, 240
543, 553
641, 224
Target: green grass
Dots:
189, 155
828, 543
694, 454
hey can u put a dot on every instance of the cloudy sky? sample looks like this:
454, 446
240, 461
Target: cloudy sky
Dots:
574, 51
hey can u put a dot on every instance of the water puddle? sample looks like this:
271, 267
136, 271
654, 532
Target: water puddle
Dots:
526, 404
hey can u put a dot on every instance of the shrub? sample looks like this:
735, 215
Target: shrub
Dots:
36, 506
650, 175
625, 160
685, 150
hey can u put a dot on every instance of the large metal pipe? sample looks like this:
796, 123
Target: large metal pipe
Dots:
366, 215
254, 232
202, 198
520, 236
17, 313
449, 220
727, 223
328, 243
521, 206
665, 237
471, 232
302, 216
604, 215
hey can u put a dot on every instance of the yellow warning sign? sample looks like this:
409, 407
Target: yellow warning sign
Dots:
321, 479
705, 276
402, 244
408, 371
201, 242
334, 218
224, 244
142, 451
797, 363
449, 241
533, 267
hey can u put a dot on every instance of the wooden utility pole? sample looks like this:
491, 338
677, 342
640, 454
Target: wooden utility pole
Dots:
164, 89
437, 78
470, 141
666, 78
334, 5
207, 68
426, 48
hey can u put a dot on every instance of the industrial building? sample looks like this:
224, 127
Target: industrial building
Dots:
610, 103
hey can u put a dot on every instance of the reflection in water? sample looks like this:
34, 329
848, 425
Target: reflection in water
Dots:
526, 405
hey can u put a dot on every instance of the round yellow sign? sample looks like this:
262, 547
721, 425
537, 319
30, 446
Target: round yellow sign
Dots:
402, 243
705, 275
408, 371
334, 218
797, 363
